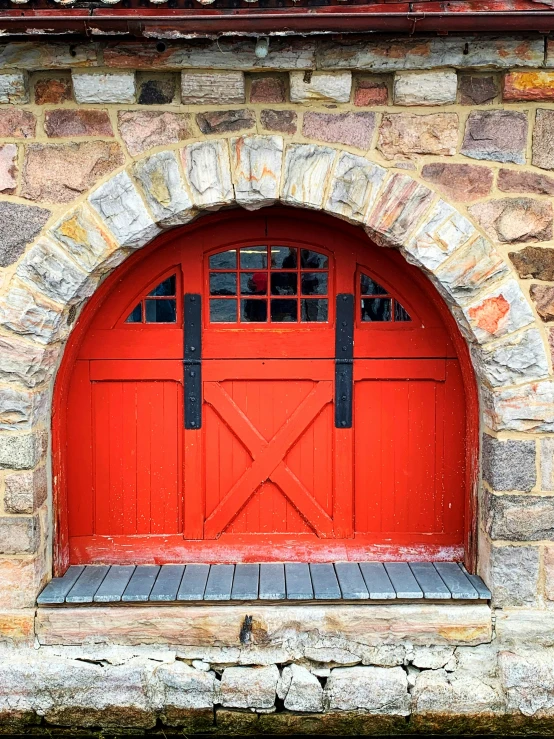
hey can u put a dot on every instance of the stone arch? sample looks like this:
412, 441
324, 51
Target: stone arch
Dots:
172, 187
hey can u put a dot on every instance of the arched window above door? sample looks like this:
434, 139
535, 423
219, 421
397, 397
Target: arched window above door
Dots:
159, 305
377, 305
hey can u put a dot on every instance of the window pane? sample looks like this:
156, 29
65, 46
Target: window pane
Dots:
400, 313
253, 311
283, 257
135, 316
314, 310
167, 287
253, 283
313, 259
284, 283
370, 287
223, 283
160, 311
377, 309
223, 311
284, 311
253, 257
314, 283
224, 260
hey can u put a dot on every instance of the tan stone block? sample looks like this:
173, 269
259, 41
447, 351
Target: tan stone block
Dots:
143, 129
543, 298
17, 627
549, 572
213, 88
407, 134
85, 241
21, 581
515, 220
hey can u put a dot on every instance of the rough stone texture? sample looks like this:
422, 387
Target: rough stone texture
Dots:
543, 298
510, 464
14, 88
477, 90
283, 121
300, 690
67, 122
519, 358
164, 190
25, 491
143, 129
29, 55
547, 465
465, 182
514, 576
183, 687
529, 408
110, 87
543, 139
306, 170
548, 561
534, 262
57, 173
515, 220
212, 88
510, 180
529, 682
249, 687
20, 409
432, 658
217, 121
17, 123
268, 89
19, 224
331, 87
156, 91
499, 312
405, 134
20, 453
427, 88
439, 693
25, 362
354, 187
29, 313
256, 163
53, 90
370, 91
18, 535
123, 211
8, 168
86, 242
208, 173
537, 86
382, 690
353, 129
496, 135
520, 517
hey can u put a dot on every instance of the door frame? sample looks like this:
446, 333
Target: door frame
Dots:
61, 553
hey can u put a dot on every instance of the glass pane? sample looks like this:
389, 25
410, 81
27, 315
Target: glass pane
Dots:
283, 257
253, 311
284, 283
223, 283
224, 260
313, 259
135, 316
253, 257
377, 309
400, 313
167, 287
223, 311
253, 283
284, 311
314, 283
370, 287
314, 311
160, 311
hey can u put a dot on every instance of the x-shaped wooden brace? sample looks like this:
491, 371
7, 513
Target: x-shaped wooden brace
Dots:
268, 459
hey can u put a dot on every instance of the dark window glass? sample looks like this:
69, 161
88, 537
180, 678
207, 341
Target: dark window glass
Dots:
284, 311
253, 311
253, 257
253, 283
160, 311
400, 313
167, 287
284, 283
283, 257
223, 283
313, 310
224, 260
370, 287
135, 316
223, 311
314, 283
313, 260
377, 309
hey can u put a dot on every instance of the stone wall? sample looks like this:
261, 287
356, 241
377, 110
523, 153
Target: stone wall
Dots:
441, 147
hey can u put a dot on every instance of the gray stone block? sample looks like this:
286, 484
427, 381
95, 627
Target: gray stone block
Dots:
514, 576
19, 535
509, 465
19, 225
20, 452
519, 517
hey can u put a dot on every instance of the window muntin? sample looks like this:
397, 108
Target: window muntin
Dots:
159, 306
377, 305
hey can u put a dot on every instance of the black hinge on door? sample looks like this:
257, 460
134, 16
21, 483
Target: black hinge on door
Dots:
193, 361
344, 359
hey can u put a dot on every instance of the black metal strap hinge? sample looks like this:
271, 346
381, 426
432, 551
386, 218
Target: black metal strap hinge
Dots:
193, 361
344, 360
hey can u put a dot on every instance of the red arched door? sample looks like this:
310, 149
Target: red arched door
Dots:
264, 386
